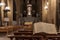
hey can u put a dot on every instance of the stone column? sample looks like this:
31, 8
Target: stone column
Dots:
2, 12
10, 13
18, 10
44, 11
49, 15
52, 11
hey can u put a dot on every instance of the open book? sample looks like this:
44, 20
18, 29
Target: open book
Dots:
44, 27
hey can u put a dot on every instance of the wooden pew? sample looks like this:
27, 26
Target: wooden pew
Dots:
35, 37
38, 36
26, 35
58, 35
51, 37
23, 33
18, 37
9, 28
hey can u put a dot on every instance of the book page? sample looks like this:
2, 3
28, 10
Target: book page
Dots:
44, 27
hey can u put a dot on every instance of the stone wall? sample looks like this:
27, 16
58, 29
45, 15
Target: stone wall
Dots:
49, 14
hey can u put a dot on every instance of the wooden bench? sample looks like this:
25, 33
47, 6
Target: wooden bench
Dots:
59, 35
23, 33
18, 37
39, 36
51, 37
9, 28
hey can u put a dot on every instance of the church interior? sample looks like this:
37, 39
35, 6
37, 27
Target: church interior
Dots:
29, 20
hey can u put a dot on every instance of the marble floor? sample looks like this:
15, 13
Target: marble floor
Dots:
3, 36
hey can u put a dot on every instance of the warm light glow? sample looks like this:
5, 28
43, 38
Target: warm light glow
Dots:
2, 4
28, 1
46, 7
7, 8
47, 3
29, 9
